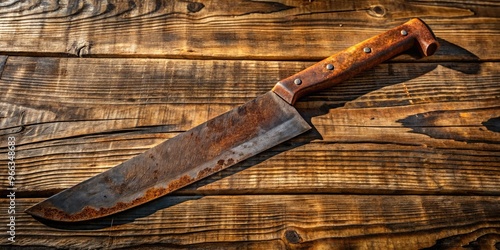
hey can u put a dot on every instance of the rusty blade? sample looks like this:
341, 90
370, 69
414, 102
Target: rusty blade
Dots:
208, 148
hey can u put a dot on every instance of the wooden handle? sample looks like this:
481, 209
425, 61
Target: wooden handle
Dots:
351, 61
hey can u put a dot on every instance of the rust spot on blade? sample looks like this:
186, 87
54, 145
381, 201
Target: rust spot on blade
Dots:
49, 211
221, 164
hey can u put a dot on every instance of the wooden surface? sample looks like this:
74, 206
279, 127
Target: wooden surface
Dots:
403, 156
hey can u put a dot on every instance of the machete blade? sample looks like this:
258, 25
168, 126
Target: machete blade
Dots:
208, 148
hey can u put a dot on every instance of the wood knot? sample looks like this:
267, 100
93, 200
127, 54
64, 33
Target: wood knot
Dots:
194, 7
80, 48
377, 11
293, 236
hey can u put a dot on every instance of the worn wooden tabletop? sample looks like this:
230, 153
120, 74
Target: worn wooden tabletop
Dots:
403, 156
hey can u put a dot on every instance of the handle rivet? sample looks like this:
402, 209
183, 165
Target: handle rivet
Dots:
404, 32
297, 81
329, 66
367, 49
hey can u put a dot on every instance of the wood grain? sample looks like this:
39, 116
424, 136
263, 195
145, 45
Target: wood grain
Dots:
279, 222
281, 29
404, 156
415, 128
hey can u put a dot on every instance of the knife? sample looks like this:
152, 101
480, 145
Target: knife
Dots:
229, 138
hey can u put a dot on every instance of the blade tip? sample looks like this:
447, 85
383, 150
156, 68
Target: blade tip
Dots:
44, 210
35, 211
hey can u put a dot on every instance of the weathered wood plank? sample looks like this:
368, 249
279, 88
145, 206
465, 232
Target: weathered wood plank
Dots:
419, 142
281, 29
407, 128
277, 222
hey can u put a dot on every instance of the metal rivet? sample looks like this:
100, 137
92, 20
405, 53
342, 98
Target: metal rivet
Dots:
404, 32
367, 49
297, 81
329, 66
